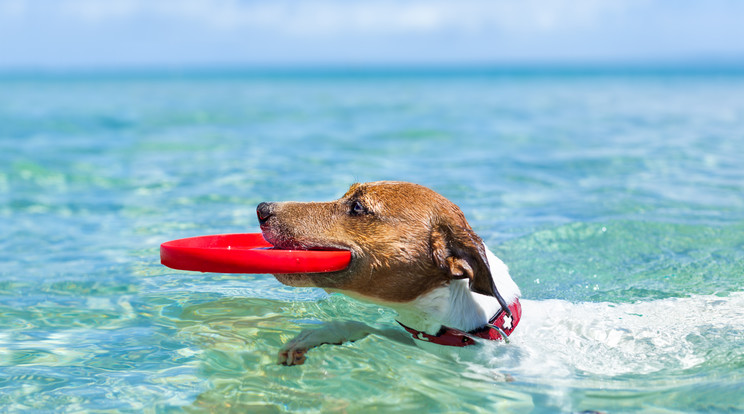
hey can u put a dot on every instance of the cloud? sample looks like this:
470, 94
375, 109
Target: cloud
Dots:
184, 32
338, 17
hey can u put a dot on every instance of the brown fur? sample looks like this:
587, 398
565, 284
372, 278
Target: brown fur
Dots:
405, 240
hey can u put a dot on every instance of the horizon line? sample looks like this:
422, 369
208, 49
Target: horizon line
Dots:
662, 67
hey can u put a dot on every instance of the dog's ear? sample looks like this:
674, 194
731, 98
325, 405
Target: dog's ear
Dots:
458, 251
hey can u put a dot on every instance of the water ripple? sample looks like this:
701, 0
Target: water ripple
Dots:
615, 200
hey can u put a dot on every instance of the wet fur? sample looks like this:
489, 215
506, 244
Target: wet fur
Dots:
409, 245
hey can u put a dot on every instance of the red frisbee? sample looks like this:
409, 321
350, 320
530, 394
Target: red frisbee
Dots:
247, 253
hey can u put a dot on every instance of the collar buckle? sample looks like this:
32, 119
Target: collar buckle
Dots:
501, 332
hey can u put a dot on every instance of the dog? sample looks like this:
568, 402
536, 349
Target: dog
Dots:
412, 250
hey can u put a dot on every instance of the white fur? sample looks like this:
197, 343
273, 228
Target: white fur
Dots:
337, 332
456, 306
453, 305
501, 278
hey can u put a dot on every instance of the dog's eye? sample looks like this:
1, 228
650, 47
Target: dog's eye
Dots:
358, 209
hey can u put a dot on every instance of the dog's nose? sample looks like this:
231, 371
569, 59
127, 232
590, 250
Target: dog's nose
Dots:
264, 212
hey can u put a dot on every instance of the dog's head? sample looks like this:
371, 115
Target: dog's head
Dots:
405, 240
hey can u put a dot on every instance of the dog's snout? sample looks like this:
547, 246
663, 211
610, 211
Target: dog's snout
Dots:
264, 212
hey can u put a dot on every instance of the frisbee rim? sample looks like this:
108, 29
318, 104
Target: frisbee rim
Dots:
247, 253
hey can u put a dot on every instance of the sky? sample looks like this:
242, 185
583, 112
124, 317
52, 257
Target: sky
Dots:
54, 34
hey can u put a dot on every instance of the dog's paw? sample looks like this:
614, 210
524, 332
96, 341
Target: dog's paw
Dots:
292, 356
334, 333
294, 351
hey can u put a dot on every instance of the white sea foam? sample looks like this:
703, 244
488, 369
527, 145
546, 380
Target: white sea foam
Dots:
559, 339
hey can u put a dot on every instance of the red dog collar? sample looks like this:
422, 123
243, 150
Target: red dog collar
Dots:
501, 323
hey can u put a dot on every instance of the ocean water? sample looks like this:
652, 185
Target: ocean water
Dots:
616, 199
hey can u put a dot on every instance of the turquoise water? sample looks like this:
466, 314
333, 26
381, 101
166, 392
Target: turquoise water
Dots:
616, 199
